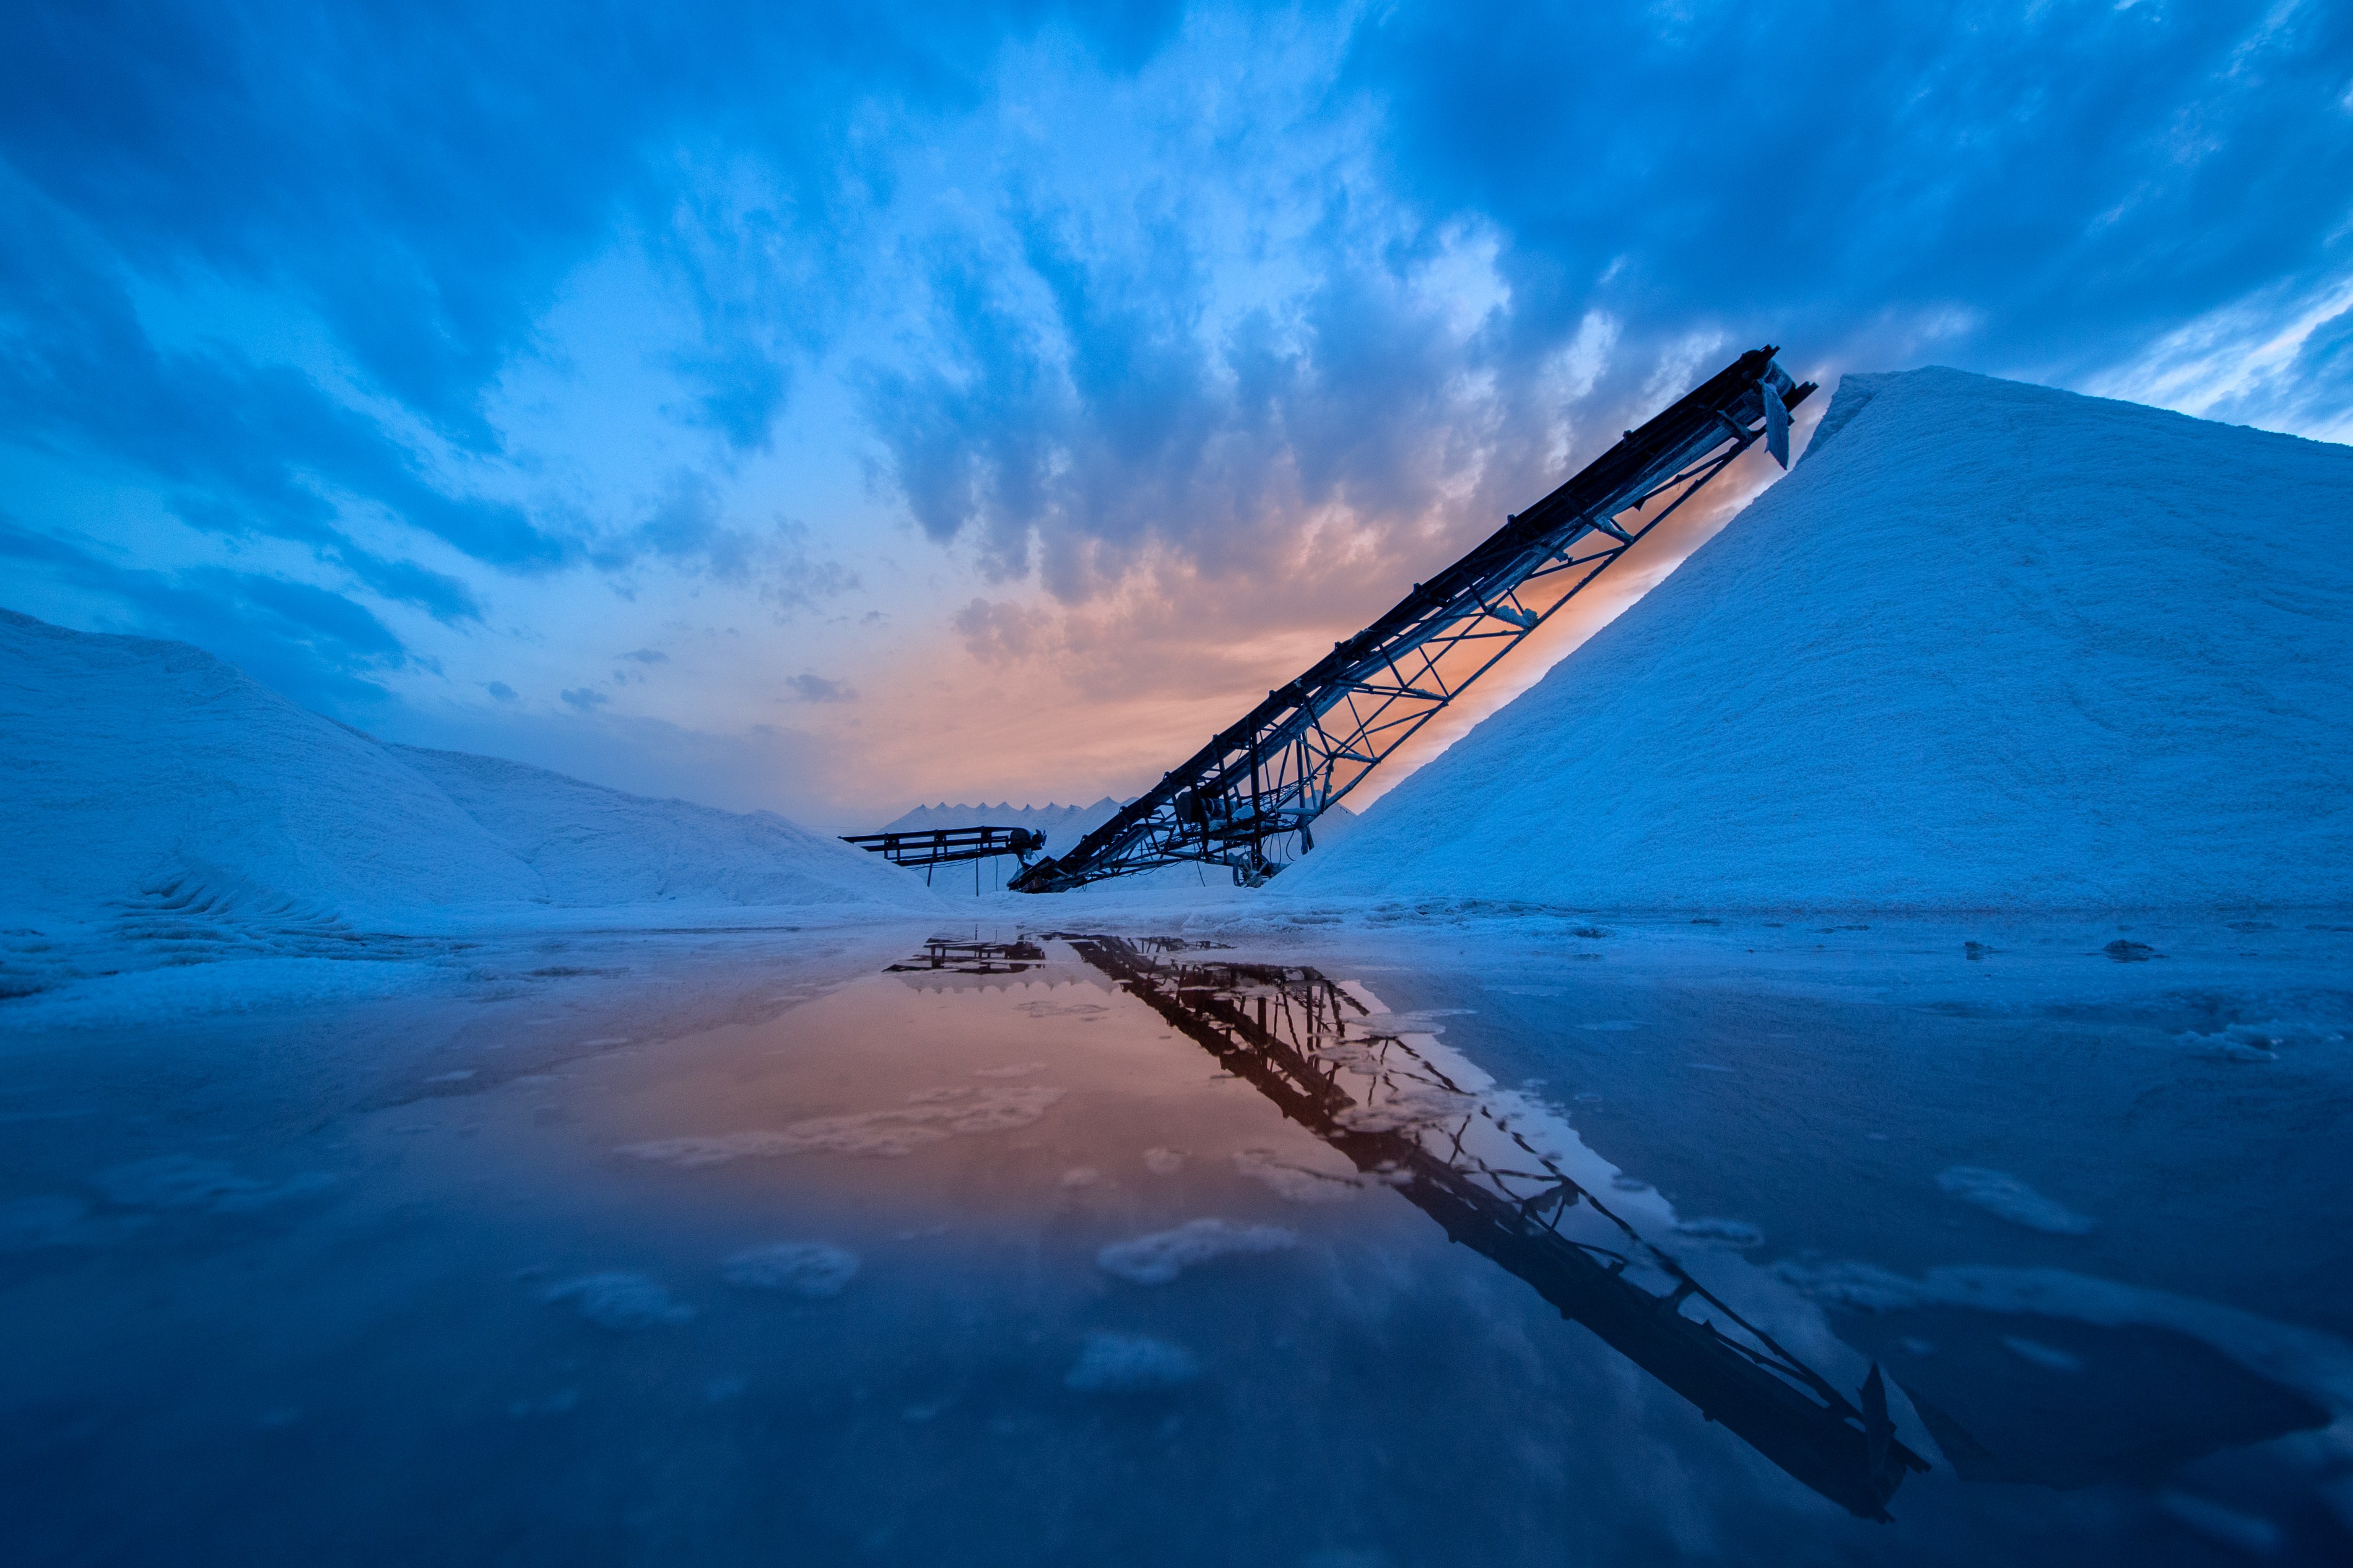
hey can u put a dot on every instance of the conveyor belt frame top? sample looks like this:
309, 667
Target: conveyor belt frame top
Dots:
930, 846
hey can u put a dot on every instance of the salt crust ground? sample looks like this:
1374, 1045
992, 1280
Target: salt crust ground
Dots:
2284, 966
1988, 646
524, 1035
163, 809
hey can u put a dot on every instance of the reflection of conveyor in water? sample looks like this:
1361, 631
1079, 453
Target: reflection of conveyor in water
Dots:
1286, 1032
947, 954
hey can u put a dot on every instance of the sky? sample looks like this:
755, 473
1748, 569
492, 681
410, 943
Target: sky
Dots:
825, 409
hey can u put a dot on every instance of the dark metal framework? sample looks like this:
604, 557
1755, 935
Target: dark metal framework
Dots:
1246, 799
941, 846
1304, 1044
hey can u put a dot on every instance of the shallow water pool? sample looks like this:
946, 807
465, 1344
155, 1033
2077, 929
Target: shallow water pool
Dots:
1017, 1247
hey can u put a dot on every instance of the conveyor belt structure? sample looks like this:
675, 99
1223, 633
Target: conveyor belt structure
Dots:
1247, 800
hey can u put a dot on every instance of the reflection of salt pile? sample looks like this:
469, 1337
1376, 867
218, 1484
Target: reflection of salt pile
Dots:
931, 1117
2005, 1196
1989, 645
1158, 1259
153, 785
1297, 1183
1130, 1364
813, 1270
619, 1299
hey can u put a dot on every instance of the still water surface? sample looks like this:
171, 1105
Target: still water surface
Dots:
1066, 1248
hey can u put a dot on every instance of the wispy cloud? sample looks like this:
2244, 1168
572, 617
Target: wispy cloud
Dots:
809, 688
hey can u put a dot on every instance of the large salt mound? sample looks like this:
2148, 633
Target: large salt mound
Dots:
146, 778
1989, 645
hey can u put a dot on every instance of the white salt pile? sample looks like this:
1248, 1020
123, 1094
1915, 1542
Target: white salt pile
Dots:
590, 847
1989, 645
147, 779
1158, 1259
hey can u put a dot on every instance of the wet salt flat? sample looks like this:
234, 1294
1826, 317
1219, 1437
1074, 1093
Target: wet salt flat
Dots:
1352, 1247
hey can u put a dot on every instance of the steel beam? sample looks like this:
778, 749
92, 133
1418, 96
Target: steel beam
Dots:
941, 846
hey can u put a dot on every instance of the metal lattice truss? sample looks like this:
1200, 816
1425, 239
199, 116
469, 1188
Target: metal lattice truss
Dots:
1248, 798
943, 846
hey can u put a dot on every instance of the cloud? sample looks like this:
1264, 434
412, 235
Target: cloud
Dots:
2071, 179
1103, 428
812, 688
419, 175
1002, 632
748, 768
307, 642
275, 274
794, 580
586, 699
645, 656
499, 690
422, 175
685, 522
686, 525
741, 392
2280, 356
244, 447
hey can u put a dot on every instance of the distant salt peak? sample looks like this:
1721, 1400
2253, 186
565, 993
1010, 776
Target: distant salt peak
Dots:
180, 811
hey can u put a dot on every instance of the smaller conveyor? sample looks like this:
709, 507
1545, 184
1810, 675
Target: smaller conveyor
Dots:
932, 847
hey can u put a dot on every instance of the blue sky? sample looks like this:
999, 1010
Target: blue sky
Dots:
829, 408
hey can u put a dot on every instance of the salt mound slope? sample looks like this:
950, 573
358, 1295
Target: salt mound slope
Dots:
147, 778
135, 768
1989, 645
592, 845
